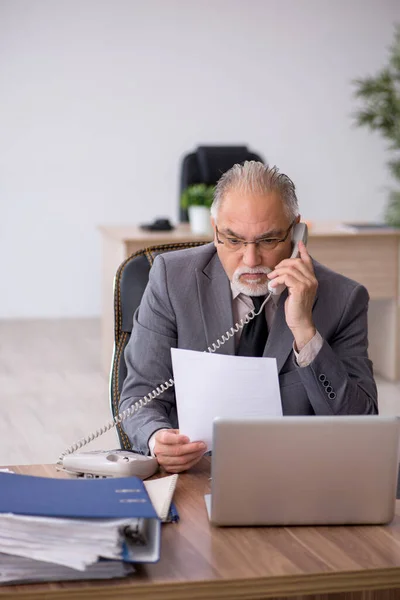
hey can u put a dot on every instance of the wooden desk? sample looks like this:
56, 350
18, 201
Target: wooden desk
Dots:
202, 562
369, 256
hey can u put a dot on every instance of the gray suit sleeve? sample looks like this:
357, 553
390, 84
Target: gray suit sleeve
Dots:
148, 361
339, 381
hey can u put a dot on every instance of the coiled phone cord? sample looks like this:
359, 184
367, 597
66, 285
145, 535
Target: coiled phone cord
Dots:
160, 389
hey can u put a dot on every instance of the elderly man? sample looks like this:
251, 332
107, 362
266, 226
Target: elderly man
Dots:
316, 328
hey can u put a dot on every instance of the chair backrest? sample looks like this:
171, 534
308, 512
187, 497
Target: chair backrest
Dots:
208, 163
130, 282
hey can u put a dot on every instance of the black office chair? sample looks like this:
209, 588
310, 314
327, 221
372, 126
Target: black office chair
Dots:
130, 282
208, 163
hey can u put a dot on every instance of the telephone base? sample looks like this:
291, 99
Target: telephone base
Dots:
82, 475
109, 463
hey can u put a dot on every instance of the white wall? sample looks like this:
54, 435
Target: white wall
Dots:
100, 98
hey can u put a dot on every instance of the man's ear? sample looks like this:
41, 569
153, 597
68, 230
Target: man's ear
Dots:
297, 220
213, 225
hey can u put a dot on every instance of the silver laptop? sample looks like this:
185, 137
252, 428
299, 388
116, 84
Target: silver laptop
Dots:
304, 470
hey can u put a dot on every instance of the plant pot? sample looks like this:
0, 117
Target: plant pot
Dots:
199, 219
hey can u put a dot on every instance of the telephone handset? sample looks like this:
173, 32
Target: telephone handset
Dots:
117, 463
300, 233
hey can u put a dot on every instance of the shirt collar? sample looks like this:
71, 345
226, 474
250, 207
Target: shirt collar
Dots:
236, 293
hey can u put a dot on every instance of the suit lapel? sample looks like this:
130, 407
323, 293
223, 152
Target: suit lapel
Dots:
280, 338
215, 301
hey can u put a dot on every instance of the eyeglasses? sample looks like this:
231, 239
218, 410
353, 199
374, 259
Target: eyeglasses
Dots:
234, 244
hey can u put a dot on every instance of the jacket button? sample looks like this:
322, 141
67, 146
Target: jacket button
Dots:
328, 389
326, 383
322, 377
331, 395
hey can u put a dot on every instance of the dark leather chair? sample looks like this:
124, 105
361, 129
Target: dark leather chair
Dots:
130, 282
208, 163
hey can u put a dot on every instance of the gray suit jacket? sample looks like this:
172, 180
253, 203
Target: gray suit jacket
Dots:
188, 304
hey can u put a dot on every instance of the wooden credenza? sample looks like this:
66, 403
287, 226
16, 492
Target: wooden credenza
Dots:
369, 256
202, 562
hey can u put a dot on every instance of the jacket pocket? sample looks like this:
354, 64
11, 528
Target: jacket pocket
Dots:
289, 378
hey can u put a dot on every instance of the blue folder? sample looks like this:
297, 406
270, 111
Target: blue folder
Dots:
110, 498
77, 498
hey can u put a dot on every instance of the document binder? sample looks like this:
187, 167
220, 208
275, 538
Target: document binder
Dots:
87, 499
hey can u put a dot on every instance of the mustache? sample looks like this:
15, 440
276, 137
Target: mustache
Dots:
252, 270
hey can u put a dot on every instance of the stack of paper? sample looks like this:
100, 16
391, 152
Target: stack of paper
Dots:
74, 543
74, 524
16, 569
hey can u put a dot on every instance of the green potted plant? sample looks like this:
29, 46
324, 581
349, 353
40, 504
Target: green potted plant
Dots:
197, 200
381, 112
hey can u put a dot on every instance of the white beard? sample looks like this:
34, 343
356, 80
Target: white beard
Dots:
256, 288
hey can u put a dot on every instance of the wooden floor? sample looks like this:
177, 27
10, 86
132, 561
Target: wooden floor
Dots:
52, 389
53, 392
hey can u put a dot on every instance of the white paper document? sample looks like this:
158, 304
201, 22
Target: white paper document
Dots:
216, 385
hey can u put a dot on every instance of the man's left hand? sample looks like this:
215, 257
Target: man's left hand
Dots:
298, 276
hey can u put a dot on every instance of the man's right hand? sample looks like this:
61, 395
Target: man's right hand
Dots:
175, 452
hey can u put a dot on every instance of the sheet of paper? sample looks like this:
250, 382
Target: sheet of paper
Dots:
216, 385
161, 491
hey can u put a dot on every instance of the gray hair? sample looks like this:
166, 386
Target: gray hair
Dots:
256, 177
